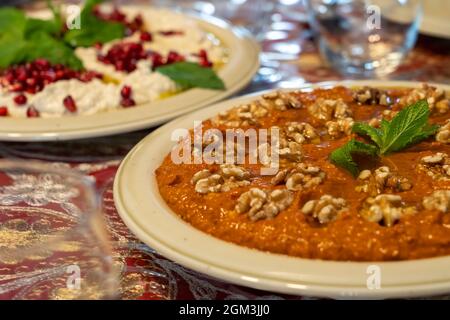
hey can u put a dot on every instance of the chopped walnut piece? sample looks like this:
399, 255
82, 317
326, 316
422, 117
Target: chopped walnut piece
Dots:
280, 100
300, 132
241, 116
300, 177
443, 135
228, 177
438, 200
260, 204
212, 183
386, 209
248, 114
327, 109
289, 145
435, 97
380, 180
436, 166
373, 96
197, 151
340, 127
386, 115
326, 209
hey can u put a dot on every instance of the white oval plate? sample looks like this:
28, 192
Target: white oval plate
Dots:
145, 212
237, 73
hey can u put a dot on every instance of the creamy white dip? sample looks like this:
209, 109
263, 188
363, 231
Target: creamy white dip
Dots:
147, 86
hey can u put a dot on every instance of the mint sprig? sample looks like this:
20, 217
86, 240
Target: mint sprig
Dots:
344, 155
93, 30
24, 39
408, 127
192, 75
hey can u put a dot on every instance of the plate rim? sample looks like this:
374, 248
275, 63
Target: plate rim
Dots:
132, 119
249, 279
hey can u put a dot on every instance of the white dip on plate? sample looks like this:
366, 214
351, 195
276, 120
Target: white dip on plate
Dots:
147, 86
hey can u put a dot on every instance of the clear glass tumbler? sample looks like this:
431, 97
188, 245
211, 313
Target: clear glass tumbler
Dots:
53, 240
365, 38
254, 15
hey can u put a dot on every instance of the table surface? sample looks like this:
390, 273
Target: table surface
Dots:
147, 275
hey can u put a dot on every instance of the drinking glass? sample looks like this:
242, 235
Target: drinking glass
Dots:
53, 240
254, 15
365, 38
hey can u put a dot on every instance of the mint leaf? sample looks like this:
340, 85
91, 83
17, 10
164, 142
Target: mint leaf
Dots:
409, 126
52, 26
92, 33
367, 130
93, 30
408, 123
191, 75
42, 45
426, 132
343, 157
12, 22
11, 51
26, 39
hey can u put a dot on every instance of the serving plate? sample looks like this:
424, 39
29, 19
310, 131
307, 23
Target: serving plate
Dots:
237, 73
145, 212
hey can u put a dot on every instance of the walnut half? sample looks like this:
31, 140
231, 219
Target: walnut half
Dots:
228, 177
438, 200
325, 209
386, 209
437, 166
300, 177
443, 135
381, 179
260, 204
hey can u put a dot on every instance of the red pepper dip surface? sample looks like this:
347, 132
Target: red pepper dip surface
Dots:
397, 208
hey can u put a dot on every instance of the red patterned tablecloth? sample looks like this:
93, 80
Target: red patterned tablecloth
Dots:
144, 273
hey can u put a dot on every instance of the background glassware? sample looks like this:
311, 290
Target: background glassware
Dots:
53, 241
254, 15
365, 38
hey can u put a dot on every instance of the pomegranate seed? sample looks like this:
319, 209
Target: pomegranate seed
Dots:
126, 92
98, 46
124, 56
31, 90
119, 65
157, 60
89, 75
9, 77
203, 54
20, 99
128, 102
16, 87
3, 111
170, 33
33, 77
42, 64
174, 57
22, 76
206, 63
32, 112
31, 81
69, 103
59, 74
138, 21
146, 36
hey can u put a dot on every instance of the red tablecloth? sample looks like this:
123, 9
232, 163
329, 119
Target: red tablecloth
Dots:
147, 275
